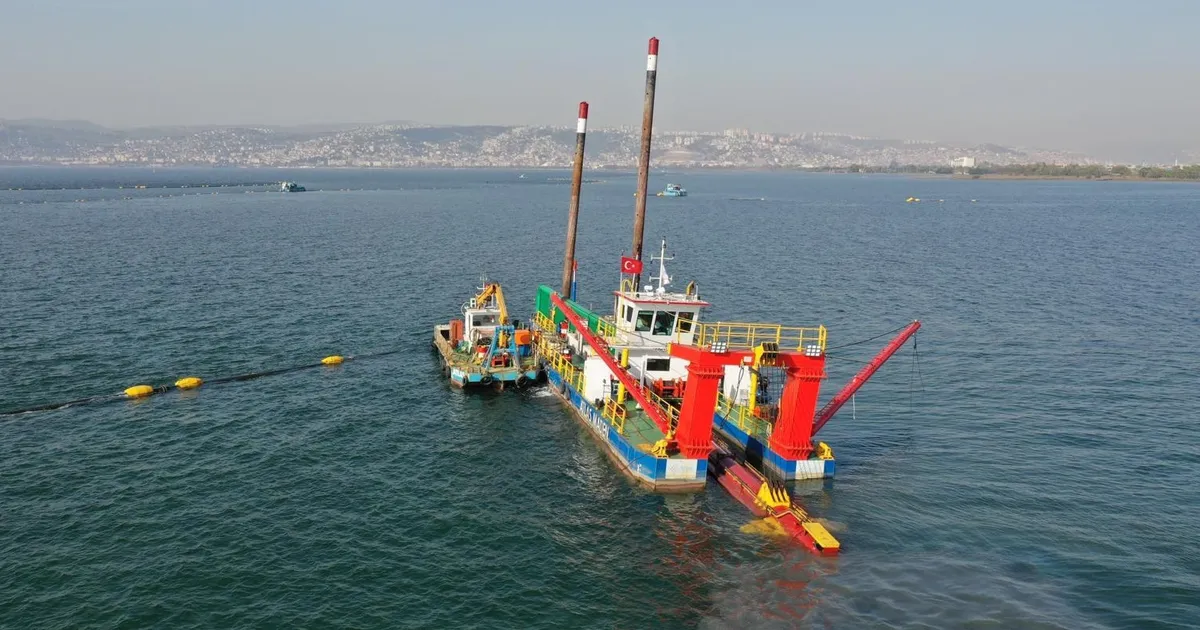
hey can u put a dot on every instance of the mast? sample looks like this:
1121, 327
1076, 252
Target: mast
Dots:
568, 273
662, 277
639, 216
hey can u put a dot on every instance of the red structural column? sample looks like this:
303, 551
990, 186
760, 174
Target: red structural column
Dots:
694, 432
792, 436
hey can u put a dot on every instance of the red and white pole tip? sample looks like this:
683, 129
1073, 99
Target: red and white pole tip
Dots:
581, 127
652, 58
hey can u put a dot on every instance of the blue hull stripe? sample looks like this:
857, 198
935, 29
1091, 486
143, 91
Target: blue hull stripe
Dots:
475, 378
757, 450
644, 465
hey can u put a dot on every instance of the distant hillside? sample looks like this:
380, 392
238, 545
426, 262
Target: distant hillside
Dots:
410, 145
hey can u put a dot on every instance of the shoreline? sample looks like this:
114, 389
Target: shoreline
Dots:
1107, 178
611, 170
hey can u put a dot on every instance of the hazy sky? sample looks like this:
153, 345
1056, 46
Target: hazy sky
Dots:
1091, 75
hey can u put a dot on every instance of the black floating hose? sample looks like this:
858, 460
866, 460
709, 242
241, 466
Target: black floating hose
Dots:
143, 391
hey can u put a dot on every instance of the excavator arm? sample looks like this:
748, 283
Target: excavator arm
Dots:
492, 289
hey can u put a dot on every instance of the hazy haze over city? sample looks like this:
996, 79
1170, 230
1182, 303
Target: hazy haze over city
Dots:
1112, 79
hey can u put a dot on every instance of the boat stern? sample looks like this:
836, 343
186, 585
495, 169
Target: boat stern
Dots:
821, 465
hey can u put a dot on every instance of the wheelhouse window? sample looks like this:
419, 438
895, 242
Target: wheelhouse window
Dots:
684, 323
644, 319
664, 323
628, 313
658, 365
485, 320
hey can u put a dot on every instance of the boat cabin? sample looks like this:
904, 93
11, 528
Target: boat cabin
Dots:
480, 323
652, 319
645, 322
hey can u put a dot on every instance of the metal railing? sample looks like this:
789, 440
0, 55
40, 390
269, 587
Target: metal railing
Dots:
668, 410
544, 323
552, 354
604, 328
616, 413
743, 417
744, 336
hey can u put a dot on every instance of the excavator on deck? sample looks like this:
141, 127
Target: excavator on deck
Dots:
484, 347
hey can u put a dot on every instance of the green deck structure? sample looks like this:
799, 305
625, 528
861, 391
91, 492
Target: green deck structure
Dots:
639, 428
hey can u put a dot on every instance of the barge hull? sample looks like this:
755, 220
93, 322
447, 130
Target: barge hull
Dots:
760, 454
464, 378
654, 473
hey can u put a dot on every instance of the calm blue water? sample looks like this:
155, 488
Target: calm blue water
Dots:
1037, 468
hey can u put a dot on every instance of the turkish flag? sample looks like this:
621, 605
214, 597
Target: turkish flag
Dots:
630, 265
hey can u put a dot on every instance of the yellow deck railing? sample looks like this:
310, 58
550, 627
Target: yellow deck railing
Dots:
604, 328
668, 410
616, 413
743, 417
552, 354
543, 322
743, 336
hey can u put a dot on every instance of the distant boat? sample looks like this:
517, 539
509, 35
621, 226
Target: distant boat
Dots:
673, 190
290, 187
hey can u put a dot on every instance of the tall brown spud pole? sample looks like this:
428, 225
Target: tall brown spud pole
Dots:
639, 217
573, 217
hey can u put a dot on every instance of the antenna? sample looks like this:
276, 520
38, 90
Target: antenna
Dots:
662, 254
662, 277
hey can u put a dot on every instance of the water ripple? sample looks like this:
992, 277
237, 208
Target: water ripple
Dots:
1039, 471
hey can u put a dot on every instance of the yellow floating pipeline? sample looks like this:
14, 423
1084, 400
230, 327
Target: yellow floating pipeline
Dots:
139, 391
190, 382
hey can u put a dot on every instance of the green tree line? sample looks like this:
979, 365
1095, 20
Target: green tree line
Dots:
1089, 171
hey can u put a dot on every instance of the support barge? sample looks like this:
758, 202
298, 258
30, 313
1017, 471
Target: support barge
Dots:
484, 348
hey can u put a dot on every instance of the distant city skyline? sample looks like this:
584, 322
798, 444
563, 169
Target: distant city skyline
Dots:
401, 146
1103, 78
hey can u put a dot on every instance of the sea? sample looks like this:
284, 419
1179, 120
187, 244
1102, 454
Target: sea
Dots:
1031, 461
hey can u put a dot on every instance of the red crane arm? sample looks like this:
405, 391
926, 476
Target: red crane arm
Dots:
860, 379
601, 348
